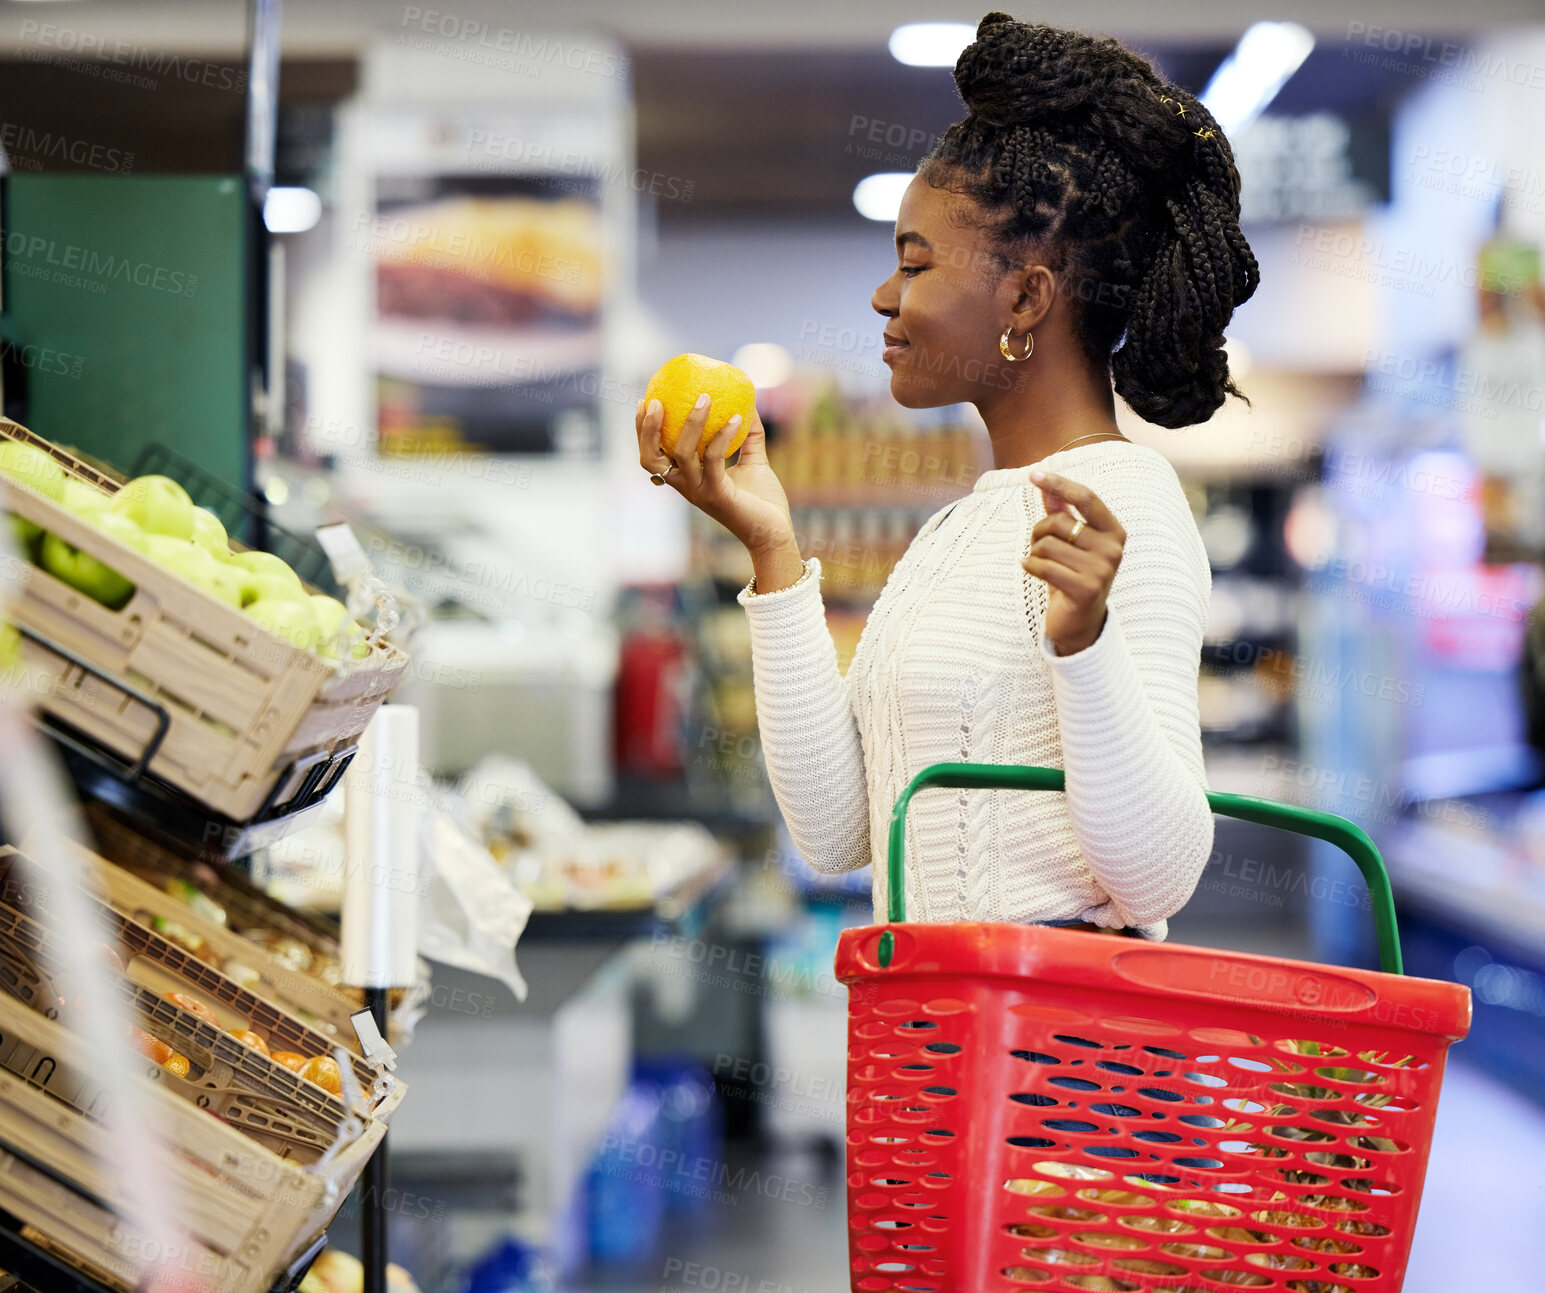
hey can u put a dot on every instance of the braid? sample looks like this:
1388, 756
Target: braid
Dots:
1126, 188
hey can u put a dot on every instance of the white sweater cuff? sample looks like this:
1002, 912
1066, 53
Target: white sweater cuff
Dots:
807, 584
1094, 660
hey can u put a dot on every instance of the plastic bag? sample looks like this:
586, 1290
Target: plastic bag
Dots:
470, 914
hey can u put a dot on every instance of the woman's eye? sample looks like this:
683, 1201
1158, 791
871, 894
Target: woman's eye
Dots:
909, 270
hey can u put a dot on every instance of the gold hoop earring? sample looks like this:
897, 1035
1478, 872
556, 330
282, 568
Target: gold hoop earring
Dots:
1003, 345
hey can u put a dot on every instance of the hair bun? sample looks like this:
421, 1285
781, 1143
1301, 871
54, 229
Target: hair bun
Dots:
1016, 72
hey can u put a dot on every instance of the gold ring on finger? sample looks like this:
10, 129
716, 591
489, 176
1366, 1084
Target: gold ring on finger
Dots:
658, 477
1076, 531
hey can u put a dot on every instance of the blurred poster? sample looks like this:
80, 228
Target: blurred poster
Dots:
487, 328
1502, 375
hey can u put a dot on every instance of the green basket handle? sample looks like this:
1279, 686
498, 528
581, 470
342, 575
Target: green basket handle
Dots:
1344, 834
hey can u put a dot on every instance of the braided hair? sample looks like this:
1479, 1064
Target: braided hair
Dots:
1128, 189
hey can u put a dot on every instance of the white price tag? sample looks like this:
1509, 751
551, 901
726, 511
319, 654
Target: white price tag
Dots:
375, 1047
344, 552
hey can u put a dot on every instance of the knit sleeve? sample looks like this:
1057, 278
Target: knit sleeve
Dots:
1128, 713
804, 713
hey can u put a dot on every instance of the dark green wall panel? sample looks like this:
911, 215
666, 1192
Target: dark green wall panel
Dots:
130, 292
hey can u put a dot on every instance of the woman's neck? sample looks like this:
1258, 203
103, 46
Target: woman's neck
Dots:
1031, 423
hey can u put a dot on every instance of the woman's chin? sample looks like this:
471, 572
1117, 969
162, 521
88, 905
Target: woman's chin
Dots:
912, 393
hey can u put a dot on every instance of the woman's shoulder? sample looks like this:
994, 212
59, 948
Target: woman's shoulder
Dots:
1137, 476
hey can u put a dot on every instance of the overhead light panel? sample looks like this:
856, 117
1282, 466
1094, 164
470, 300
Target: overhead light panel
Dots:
931, 44
1250, 77
291, 210
878, 197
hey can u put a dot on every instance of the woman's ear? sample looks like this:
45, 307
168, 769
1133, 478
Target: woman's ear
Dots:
1037, 290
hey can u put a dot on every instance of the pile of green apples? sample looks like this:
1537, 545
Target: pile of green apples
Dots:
154, 516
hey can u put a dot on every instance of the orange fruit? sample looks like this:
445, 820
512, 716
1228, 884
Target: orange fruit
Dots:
193, 1006
678, 382
290, 1060
249, 1038
324, 1072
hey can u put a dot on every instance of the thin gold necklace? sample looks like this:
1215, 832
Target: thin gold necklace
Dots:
1090, 436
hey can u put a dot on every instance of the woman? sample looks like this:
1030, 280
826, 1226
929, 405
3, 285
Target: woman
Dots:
1078, 227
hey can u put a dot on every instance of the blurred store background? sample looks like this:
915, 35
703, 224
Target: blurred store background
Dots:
488, 224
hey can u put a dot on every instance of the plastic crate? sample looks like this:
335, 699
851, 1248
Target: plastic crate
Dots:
248, 1212
128, 878
324, 1006
241, 1084
180, 684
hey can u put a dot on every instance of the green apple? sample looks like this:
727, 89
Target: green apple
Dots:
157, 504
331, 616
86, 573
185, 558
83, 498
209, 533
292, 618
30, 466
119, 527
264, 575
263, 563
29, 537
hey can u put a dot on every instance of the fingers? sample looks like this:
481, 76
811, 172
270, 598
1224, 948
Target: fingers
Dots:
686, 442
1088, 503
1059, 524
753, 449
648, 422
714, 466
1052, 548
1076, 584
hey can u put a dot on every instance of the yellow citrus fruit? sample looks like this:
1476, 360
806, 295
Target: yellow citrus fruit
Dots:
678, 382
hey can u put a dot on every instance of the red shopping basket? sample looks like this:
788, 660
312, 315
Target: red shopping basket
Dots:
1040, 1108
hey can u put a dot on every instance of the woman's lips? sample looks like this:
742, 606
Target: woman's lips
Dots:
893, 349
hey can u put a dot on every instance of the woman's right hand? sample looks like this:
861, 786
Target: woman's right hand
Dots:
746, 499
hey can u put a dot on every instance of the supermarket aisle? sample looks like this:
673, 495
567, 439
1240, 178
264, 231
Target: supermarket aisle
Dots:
1485, 1197
783, 1231
1480, 1225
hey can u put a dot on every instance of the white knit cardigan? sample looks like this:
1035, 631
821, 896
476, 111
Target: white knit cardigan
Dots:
953, 665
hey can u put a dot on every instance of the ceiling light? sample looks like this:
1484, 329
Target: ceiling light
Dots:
1259, 66
766, 363
931, 44
291, 210
878, 197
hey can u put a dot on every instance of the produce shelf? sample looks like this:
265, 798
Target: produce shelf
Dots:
100, 774
41, 1271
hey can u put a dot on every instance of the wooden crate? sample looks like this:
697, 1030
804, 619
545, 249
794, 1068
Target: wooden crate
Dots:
248, 1212
241, 1084
250, 714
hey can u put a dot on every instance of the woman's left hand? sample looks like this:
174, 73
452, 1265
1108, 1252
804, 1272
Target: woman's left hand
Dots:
1078, 575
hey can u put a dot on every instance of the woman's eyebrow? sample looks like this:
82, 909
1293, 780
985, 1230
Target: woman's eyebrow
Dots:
902, 239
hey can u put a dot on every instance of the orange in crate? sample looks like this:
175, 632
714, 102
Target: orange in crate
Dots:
1041, 1108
